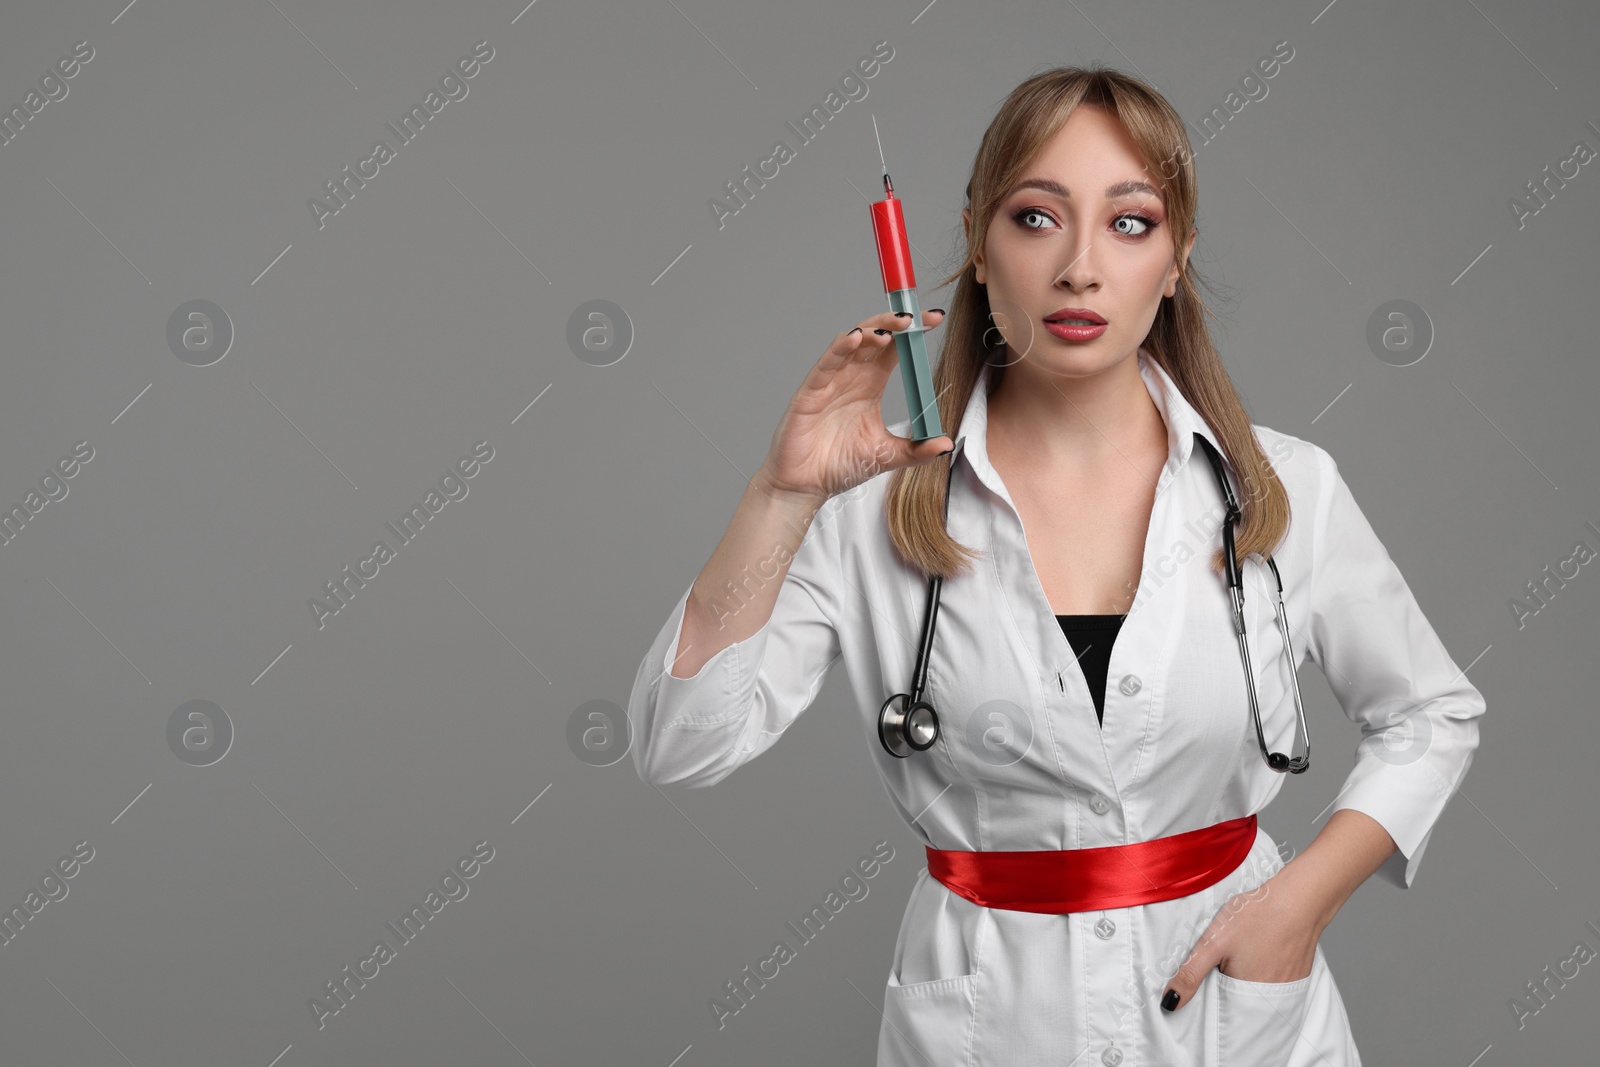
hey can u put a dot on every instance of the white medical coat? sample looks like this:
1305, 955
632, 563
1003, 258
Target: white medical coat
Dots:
1021, 762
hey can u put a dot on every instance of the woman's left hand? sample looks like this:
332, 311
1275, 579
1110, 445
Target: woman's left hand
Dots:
1268, 934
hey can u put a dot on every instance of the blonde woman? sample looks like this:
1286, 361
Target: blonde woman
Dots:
1097, 888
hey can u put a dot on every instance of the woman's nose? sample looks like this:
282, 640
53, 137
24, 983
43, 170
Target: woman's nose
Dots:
1079, 272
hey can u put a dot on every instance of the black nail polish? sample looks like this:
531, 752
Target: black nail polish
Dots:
856, 330
880, 331
939, 310
1170, 1001
947, 451
902, 314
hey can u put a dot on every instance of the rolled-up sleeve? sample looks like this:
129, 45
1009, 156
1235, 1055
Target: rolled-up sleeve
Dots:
696, 731
1391, 674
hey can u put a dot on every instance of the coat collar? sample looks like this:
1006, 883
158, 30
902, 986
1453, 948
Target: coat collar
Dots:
1182, 421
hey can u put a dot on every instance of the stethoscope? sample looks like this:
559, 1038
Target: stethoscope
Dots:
908, 723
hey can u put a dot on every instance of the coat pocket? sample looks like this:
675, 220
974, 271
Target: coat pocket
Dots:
1258, 1023
928, 1024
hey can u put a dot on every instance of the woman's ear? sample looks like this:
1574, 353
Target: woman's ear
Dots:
978, 265
1181, 262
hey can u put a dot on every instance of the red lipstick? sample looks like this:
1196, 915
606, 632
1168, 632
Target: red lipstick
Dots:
1087, 327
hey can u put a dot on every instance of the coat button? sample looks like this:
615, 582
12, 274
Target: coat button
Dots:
1111, 1056
1129, 685
1104, 929
1099, 804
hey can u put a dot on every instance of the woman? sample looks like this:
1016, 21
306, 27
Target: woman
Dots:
1088, 437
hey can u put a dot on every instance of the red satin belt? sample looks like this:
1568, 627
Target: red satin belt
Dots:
1090, 879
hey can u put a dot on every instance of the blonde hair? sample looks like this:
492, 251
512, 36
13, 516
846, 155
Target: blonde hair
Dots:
1179, 340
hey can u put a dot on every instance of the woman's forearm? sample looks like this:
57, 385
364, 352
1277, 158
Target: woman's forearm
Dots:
1349, 848
725, 604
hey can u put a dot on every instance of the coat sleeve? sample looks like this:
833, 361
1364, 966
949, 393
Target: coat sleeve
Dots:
696, 731
1391, 674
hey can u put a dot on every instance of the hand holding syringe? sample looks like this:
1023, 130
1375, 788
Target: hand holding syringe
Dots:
833, 436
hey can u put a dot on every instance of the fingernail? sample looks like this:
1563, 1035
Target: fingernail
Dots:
939, 310
1170, 1001
880, 331
947, 451
856, 330
902, 314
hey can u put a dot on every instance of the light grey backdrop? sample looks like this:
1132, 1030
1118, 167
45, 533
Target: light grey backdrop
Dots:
233, 876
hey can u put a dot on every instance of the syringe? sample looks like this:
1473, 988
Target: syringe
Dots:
900, 283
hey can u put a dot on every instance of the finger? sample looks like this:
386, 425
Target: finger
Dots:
857, 346
886, 320
871, 336
916, 454
876, 343
931, 449
880, 330
845, 346
853, 346
899, 320
1205, 955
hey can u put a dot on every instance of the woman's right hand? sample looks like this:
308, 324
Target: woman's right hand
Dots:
833, 437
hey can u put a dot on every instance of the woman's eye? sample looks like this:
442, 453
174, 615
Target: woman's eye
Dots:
1027, 213
1123, 222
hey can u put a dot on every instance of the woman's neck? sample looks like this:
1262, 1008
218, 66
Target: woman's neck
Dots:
1062, 422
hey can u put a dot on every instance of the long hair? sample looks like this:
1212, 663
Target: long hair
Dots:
1178, 340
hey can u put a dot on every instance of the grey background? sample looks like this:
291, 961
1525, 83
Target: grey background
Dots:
433, 711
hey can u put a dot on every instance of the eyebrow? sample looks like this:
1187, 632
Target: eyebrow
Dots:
1122, 188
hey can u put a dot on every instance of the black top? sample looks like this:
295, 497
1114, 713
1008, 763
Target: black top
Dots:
1091, 637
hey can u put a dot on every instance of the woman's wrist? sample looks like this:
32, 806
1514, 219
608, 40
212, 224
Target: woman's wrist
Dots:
797, 501
1343, 855
1318, 891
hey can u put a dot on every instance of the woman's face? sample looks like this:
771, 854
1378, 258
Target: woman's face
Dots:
1060, 241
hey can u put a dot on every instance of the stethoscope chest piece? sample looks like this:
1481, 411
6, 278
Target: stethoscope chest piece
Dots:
906, 726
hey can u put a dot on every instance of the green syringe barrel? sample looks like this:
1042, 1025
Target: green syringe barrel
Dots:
921, 403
